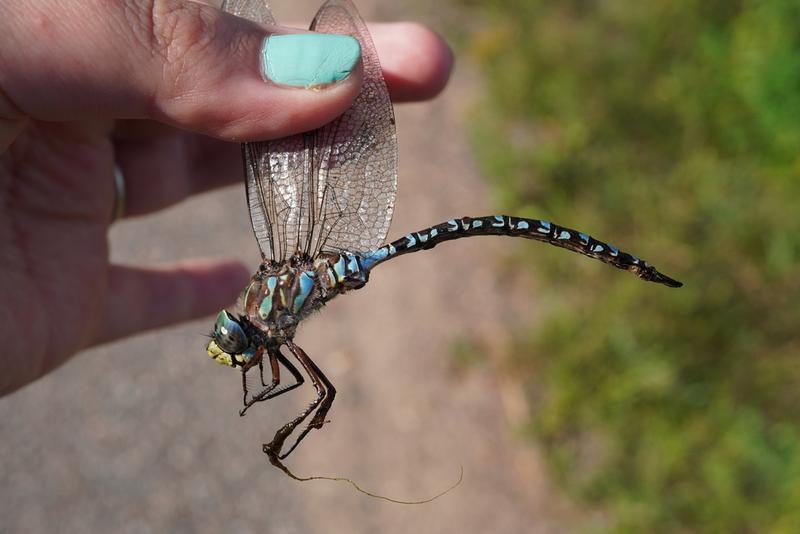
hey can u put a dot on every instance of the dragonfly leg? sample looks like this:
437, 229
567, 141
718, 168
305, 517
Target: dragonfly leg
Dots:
270, 391
319, 418
261, 372
323, 401
259, 356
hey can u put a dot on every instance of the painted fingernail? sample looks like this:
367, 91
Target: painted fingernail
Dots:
309, 59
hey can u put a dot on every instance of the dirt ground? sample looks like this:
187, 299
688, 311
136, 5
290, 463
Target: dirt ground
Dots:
144, 436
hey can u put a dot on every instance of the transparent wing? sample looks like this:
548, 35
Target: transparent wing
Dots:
331, 188
354, 157
260, 202
255, 10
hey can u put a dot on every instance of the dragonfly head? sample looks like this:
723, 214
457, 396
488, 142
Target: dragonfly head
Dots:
229, 344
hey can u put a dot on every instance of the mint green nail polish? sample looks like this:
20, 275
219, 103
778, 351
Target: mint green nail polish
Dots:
309, 59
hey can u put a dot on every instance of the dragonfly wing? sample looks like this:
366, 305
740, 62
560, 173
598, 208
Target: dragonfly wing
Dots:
332, 188
255, 10
354, 157
263, 211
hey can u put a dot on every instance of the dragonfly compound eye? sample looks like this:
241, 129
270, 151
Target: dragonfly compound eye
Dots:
229, 334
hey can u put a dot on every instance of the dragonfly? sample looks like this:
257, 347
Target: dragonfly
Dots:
321, 203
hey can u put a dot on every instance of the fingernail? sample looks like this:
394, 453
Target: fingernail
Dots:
309, 59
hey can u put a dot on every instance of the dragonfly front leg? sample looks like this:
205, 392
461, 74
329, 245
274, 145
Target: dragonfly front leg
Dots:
259, 357
325, 394
270, 392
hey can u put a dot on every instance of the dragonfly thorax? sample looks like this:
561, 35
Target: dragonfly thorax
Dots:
278, 297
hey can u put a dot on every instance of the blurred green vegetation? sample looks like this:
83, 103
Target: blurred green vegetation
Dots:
672, 129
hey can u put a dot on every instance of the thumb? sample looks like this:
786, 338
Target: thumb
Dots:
179, 62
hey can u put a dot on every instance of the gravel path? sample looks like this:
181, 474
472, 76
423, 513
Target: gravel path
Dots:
144, 436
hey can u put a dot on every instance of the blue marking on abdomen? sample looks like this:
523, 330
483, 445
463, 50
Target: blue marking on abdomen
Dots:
371, 258
339, 269
522, 225
477, 224
410, 241
544, 227
352, 264
499, 219
584, 238
564, 235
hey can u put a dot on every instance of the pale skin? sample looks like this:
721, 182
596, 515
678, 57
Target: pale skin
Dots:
165, 90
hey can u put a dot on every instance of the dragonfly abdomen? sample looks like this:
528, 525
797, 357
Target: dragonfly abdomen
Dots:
340, 272
505, 225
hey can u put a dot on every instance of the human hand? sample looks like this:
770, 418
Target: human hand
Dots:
162, 90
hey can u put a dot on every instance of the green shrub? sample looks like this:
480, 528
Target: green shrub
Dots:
670, 128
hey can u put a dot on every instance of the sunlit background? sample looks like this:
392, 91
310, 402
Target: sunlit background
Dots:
575, 396
675, 128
